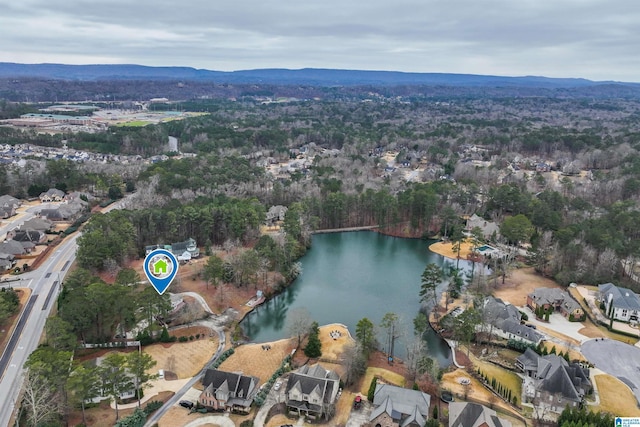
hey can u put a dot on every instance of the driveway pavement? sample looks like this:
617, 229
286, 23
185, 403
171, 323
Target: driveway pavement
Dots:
616, 358
219, 420
558, 323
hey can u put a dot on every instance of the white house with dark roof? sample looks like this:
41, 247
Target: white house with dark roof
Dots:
399, 407
311, 391
551, 381
505, 320
619, 303
464, 414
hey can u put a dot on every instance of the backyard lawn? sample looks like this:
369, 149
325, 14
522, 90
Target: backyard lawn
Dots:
615, 397
383, 376
505, 377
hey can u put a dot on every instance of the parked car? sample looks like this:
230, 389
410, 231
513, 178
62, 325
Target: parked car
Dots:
277, 385
186, 404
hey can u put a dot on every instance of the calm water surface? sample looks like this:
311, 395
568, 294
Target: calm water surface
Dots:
348, 276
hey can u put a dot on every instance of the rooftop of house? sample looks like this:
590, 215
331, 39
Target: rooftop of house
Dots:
463, 414
508, 318
552, 296
401, 402
621, 297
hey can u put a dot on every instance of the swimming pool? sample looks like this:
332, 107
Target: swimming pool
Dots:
485, 248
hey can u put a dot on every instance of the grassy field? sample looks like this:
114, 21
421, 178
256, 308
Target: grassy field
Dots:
134, 123
383, 375
507, 378
615, 397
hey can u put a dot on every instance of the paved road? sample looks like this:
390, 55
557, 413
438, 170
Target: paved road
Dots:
178, 396
45, 286
615, 358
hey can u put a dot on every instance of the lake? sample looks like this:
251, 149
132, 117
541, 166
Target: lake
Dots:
351, 275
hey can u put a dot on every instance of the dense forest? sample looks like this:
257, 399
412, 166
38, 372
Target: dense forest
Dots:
472, 154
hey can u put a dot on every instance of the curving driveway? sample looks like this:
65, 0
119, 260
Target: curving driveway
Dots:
219, 420
615, 358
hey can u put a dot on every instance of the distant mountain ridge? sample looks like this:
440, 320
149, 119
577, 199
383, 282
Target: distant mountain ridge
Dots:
305, 76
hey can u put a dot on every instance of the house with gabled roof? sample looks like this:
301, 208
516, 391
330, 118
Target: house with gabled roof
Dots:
40, 224
465, 414
619, 303
399, 407
489, 228
26, 235
52, 195
556, 300
12, 247
551, 381
311, 392
228, 391
7, 201
505, 321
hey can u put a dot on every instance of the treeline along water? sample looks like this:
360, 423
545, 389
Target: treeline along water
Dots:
348, 276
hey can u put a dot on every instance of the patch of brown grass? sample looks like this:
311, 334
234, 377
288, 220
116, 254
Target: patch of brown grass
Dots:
183, 359
383, 375
520, 283
251, 359
615, 397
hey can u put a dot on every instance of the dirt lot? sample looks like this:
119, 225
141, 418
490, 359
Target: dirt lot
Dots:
183, 359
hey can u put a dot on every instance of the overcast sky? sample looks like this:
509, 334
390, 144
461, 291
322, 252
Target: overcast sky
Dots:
594, 39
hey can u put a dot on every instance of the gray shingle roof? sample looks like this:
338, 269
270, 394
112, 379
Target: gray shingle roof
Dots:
242, 388
622, 297
555, 375
462, 414
402, 401
507, 317
553, 295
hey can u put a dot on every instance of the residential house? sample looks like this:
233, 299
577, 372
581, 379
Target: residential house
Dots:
551, 381
505, 320
489, 229
6, 212
24, 235
556, 300
40, 224
311, 391
276, 214
7, 261
399, 407
103, 393
619, 303
52, 195
7, 201
228, 391
179, 249
463, 414
12, 247
68, 212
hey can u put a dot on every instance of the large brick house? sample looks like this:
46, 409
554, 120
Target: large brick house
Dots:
556, 300
228, 391
551, 381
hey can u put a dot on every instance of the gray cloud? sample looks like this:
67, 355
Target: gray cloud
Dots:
596, 39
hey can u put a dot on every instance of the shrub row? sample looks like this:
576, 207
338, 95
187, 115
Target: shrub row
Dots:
285, 366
